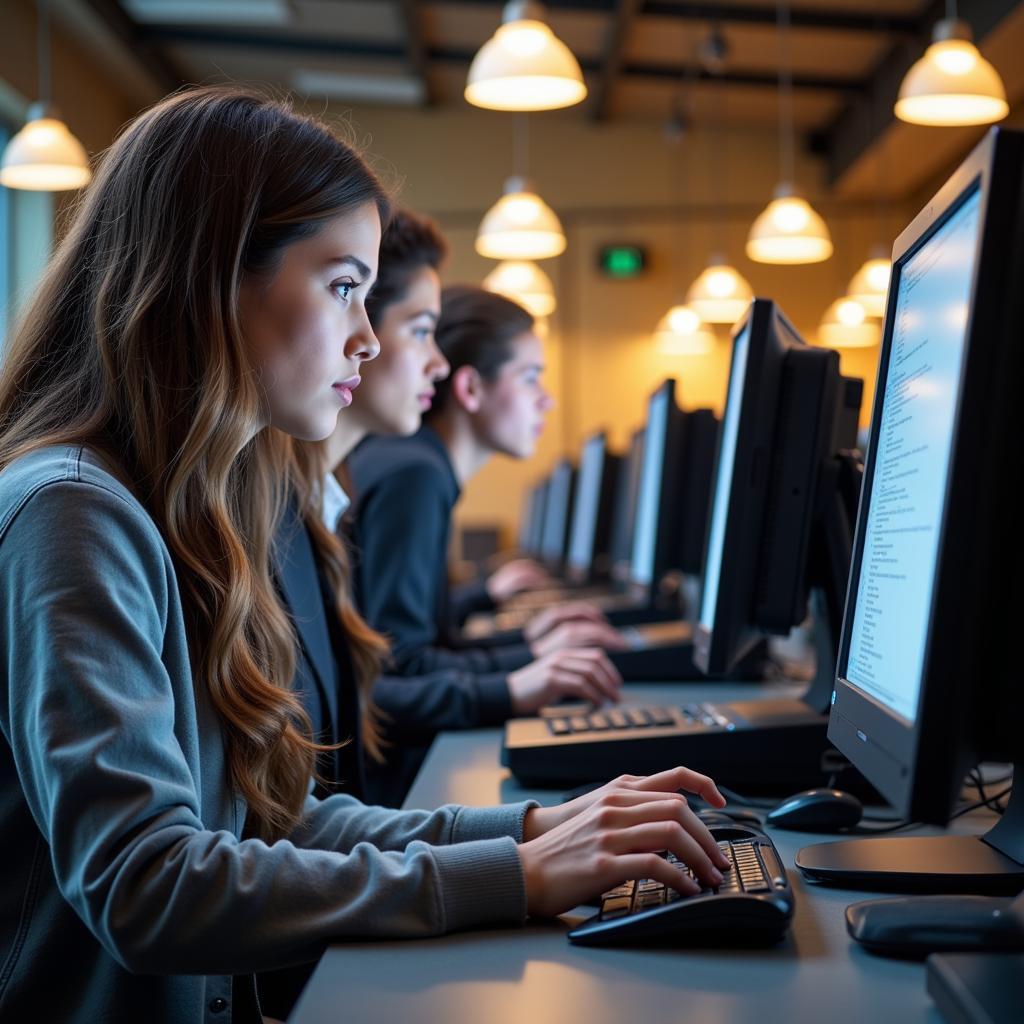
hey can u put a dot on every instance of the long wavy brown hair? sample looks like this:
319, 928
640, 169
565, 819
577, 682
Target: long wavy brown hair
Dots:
132, 346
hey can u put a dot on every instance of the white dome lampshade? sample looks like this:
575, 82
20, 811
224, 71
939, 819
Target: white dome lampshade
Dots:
44, 156
721, 294
525, 283
681, 332
520, 226
870, 285
952, 84
789, 231
524, 65
846, 325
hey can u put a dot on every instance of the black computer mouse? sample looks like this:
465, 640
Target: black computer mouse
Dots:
817, 810
914, 926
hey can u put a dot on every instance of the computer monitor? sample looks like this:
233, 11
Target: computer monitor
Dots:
557, 512
926, 681
589, 553
538, 503
783, 500
527, 520
624, 512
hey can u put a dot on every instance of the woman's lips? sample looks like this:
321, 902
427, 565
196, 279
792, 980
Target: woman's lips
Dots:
343, 389
426, 400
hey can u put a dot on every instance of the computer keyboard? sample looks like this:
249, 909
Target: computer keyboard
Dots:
637, 718
753, 906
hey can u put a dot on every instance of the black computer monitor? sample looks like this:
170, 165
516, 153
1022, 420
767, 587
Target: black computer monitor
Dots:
926, 681
557, 513
624, 512
784, 498
527, 520
589, 553
538, 504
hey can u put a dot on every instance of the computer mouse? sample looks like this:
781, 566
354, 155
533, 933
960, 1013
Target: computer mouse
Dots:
914, 926
817, 810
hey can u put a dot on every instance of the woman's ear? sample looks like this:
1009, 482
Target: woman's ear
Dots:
467, 388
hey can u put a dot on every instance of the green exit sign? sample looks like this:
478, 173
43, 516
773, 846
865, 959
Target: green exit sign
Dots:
622, 261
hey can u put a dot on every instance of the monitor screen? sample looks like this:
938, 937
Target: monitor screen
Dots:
645, 531
893, 601
723, 478
556, 512
588, 498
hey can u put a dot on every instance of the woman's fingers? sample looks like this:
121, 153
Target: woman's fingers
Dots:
669, 811
679, 778
667, 835
650, 865
594, 665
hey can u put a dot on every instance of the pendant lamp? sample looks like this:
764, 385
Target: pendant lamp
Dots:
846, 325
680, 332
524, 65
721, 294
520, 226
525, 283
789, 230
871, 283
44, 156
952, 84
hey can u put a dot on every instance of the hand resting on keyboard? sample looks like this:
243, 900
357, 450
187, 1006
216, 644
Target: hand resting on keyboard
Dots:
617, 832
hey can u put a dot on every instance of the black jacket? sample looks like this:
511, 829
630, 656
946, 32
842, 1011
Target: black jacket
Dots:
405, 491
324, 677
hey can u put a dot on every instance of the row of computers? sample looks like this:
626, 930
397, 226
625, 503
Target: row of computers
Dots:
909, 560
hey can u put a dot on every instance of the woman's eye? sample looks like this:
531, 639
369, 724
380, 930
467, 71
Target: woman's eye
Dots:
343, 289
422, 333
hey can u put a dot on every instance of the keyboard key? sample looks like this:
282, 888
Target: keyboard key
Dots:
599, 722
619, 719
661, 716
616, 907
579, 724
637, 717
559, 726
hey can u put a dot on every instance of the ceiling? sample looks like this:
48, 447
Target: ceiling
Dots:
642, 58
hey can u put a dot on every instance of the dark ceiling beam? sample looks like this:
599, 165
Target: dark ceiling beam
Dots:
866, 117
614, 55
852, 19
157, 63
849, 20
416, 47
321, 47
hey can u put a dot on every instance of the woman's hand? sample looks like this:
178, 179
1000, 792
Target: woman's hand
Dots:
554, 615
617, 833
542, 819
516, 576
583, 674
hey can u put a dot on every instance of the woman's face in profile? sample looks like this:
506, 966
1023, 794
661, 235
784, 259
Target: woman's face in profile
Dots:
515, 404
399, 387
306, 324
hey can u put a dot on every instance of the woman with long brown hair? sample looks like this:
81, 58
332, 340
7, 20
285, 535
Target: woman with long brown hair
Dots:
155, 771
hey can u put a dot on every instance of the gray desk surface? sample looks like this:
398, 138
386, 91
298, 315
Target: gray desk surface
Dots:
532, 975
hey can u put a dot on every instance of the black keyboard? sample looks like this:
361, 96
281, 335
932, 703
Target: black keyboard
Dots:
753, 906
767, 742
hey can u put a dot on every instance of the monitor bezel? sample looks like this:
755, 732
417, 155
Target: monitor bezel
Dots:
624, 506
575, 569
664, 527
556, 560
918, 767
717, 649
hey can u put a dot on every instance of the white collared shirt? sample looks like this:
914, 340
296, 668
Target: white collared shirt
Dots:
336, 502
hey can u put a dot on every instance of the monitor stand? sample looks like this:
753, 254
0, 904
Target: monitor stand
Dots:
988, 864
